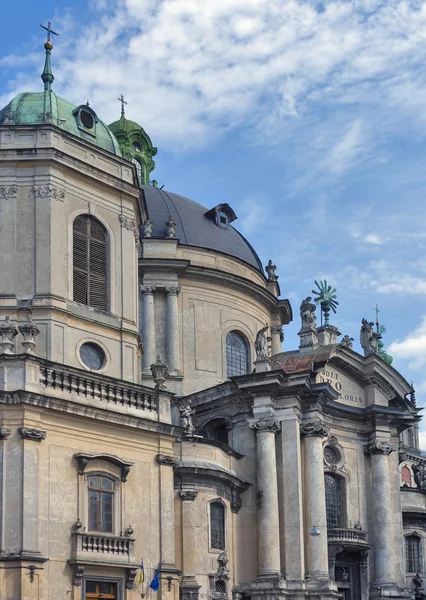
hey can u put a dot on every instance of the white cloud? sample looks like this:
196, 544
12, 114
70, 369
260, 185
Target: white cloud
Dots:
412, 348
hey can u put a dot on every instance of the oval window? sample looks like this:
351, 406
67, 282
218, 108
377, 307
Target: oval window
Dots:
92, 356
87, 119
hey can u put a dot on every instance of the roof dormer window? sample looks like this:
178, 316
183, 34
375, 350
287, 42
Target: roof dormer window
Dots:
222, 214
86, 119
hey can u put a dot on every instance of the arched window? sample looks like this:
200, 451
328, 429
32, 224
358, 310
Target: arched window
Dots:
217, 526
237, 355
216, 430
406, 476
90, 263
414, 553
333, 500
101, 501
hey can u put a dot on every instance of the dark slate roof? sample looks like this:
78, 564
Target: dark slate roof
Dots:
193, 227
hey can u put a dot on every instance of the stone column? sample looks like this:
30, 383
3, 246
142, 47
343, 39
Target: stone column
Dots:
382, 511
189, 585
315, 512
148, 326
277, 339
172, 326
267, 496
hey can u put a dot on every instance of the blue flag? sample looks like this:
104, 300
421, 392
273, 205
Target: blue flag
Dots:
155, 583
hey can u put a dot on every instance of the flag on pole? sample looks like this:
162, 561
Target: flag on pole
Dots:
142, 574
155, 583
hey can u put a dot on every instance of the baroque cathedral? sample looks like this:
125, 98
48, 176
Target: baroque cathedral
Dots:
155, 438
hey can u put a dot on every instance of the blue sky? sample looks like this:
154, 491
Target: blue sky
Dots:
308, 117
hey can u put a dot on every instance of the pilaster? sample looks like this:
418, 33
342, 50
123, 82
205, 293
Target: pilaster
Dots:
148, 326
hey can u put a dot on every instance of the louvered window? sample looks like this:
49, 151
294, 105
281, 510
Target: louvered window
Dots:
90, 262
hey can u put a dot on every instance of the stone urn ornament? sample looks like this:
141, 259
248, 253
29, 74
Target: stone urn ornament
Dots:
8, 332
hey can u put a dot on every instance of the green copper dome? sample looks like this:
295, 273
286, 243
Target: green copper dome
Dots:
135, 145
46, 107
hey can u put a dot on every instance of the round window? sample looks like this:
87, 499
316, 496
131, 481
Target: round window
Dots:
136, 147
93, 356
87, 119
331, 455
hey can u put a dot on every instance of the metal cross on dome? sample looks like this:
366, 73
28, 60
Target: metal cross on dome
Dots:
123, 102
48, 29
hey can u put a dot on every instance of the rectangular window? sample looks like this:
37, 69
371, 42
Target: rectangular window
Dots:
217, 526
414, 554
101, 493
106, 590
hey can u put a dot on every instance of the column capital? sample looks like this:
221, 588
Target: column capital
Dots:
267, 424
278, 329
173, 290
188, 495
377, 447
315, 429
148, 289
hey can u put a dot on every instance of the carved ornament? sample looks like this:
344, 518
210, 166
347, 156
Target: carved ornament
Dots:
130, 578
49, 191
36, 435
315, 429
173, 290
236, 505
188, 495
8, 191
268, 424
169, 461
130, 225
4, 433
380, 448
148, 289
78, 575
82, 460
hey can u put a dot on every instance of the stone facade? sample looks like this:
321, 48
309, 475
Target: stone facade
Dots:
270, 477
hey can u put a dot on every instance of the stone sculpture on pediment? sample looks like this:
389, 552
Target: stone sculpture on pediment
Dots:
186, 415
368, 338
307, 314
270, 269
262, 344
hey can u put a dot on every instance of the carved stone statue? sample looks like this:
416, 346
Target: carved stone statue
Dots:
147, 228
419, 472
262, 344
186, 415
418, 583
171, 227
368, 338
270, 269
347, 341
307, 314
223, 571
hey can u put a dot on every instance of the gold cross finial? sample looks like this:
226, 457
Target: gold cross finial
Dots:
49, 31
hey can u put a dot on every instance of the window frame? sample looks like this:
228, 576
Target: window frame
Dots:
219, 502
101, 492
342, 485
116, 508
247, 345
421, 559
88, 270
98, 579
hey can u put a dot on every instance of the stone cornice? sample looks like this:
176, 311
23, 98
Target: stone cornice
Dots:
380, 447
314, 429
83, 458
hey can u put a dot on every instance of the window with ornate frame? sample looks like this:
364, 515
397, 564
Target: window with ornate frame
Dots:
217, 525
237, 354
90, 262
101, 503
414, 553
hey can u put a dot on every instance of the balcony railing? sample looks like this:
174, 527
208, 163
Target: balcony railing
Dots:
357, 536
118, 547
100, 388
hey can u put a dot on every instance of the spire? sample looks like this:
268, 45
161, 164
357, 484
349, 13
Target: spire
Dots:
123, 102
47, 75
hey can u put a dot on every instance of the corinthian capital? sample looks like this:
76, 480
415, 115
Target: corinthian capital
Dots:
315, 428
148, 289
380, 448
173, 290
267, 424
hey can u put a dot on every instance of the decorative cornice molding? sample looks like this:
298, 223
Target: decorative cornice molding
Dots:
130, 225
165, 459
83, 458
380, 448
36, 435
49, 191
188, 495
8, 191
4, 433
315, 429
267, 424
